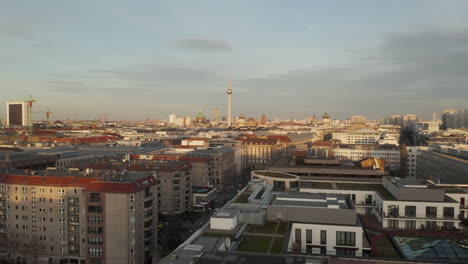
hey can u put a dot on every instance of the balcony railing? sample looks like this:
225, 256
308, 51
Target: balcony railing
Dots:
397, 215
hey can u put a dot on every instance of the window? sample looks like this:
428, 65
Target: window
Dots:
95, 197
61, 211
393, 211
431, 211
95, 240
323, 237
298, 235
410, 224
62, 221
345, 238
345, 252
95, 219
132, 209
393, 223
308, 235
95, 251
448, 225
61, 201
449, 212
95, 209
132, 198
410, 211
61, 191
431, 224
95, 230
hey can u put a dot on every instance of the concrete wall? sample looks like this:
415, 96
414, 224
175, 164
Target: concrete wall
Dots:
116, 218
331, 237
317, 215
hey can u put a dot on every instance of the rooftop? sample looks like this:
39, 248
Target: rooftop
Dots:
275, 174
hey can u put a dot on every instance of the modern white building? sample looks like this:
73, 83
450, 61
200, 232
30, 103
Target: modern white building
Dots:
364, 136
17, 113
351, 153
321, 223
172, 119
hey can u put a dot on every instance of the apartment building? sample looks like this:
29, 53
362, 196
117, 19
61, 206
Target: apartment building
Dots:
357, 152
399, 203
75, 217
412, 160
202, 169
257, 153
334, 228
174, 179
223, 167
364, 136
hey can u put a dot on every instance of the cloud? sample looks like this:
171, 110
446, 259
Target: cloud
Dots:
419, 71
202, 45
16, 27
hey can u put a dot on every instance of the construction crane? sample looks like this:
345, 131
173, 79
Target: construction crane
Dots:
30, 102
47, 112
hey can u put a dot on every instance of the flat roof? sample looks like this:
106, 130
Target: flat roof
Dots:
276, 174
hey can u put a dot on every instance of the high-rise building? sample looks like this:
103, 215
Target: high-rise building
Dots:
172, 119
448, 119
216, 115
17, 113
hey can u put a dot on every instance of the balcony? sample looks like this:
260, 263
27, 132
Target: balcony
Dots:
419, 217
148, 204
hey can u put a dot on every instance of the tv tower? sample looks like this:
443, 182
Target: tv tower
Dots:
229, 92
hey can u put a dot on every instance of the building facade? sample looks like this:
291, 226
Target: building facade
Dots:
70, 217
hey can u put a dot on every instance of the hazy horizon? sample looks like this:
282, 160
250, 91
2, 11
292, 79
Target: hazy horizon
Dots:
285, 59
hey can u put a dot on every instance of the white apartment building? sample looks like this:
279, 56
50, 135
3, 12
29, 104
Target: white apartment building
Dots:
364, 136
403, 204
321, 223
350, 153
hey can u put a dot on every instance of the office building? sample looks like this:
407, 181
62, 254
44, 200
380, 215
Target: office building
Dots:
17, 113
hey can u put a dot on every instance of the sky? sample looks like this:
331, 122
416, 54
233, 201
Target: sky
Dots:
288, 59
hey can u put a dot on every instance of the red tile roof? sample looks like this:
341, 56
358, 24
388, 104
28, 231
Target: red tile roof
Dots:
90, 183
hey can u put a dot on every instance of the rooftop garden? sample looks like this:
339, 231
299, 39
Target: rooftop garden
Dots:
268, 228
242, 198
255, 244
268, 238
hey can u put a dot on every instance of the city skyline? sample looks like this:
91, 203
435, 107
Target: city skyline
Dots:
375, 59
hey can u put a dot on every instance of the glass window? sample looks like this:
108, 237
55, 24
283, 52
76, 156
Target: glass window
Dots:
345, 238
431, 211
449, 212
410, 211
308, 235
298, 235
323, 237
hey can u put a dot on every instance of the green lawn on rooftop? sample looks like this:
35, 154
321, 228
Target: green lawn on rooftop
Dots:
255, 244
282, 228
268, 228
243, 198
277, 245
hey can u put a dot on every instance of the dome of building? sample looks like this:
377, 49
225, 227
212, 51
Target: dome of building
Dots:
325, 116
241, 116
251, 122
200, 115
